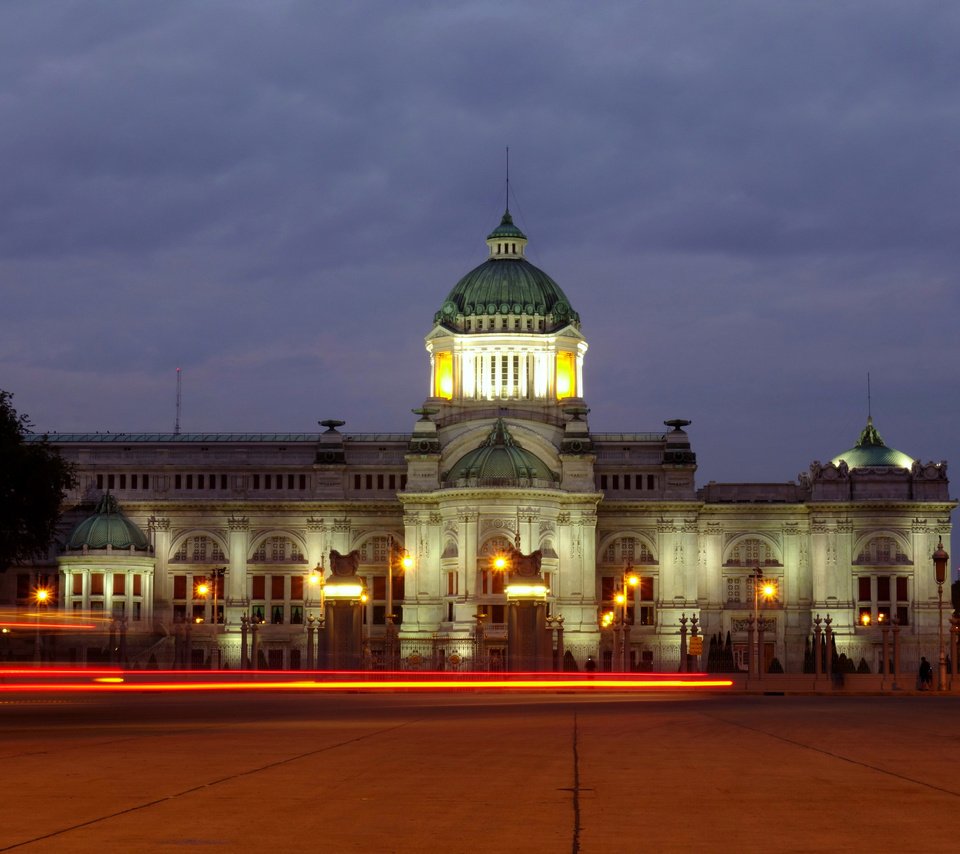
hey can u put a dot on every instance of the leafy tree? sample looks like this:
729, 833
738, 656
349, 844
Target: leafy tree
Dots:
33, 479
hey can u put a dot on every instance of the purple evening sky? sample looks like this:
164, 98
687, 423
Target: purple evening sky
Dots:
751, 205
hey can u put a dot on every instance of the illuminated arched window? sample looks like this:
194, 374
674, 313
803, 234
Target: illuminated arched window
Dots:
882, 550
277, 550
627, 550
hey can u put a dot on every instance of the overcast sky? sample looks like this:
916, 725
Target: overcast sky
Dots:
750, 204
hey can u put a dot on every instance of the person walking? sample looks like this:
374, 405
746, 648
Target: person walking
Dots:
926, 674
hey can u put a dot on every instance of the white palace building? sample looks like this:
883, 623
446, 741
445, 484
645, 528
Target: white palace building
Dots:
219, 532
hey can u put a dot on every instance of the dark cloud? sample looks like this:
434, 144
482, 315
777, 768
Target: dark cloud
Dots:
751, 204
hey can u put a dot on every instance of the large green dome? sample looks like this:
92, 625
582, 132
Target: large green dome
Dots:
506, 284
108, 527
870, 451
500, 461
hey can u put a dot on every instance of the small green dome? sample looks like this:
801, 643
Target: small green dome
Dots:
870, 451
500, 461
107, 527
506, 284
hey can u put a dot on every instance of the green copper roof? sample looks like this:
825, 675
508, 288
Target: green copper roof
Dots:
108, 527
506, 228
499, 461
870, 451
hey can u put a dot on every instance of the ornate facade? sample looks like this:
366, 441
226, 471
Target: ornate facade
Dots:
502, 454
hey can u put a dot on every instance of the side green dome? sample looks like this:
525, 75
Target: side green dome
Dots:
506, 284
870, 451
500, 461
107, 527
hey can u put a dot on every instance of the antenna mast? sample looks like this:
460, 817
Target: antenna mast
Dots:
508, 179
869, 408
176, 427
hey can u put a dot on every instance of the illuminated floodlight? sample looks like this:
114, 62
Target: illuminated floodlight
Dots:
526, 591
344, 590
406, 562
633, 580
620, 598
203, 589
499, 562
865, 618
42, 595
769, 590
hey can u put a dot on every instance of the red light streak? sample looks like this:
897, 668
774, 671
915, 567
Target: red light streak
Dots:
99, 680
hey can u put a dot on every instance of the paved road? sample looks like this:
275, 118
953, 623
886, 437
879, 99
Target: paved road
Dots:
478, 772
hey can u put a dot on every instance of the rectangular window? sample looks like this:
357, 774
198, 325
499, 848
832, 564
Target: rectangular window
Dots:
863, 589
257, 613
451, 584
379, 481
223, 481
137, 585
266, 481
379, 587
403, 481
651, 481
393, 481
137, 611
146, 481
179, 587
96, 584
189, 481
99, 481
616, 481
178, 481
276, 586
123, 481
276, 615
258, 587
119, 584
296, 614
133, 481
369, 481
200, 481
603, 481
902, 588
883, 588
356, 481
111, 481
303, 481
626, 481
296, 586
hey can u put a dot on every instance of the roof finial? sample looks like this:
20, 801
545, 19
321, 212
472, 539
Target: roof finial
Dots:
869, 408
508, 180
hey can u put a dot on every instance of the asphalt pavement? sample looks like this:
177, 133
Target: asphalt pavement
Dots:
478, 772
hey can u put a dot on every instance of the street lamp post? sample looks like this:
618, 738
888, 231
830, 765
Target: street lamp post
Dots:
400, 556
767, 589
41, 597
940, 558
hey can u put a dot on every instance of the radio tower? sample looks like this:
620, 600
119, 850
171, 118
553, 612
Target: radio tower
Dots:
176, 427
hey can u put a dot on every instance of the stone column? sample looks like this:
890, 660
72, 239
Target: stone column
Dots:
235, 584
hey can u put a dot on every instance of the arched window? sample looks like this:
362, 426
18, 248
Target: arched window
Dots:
199, 549
882, 550
627, 550
752, 552
277, 550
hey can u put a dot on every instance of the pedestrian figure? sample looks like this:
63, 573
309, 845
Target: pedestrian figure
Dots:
590, 666
926, 674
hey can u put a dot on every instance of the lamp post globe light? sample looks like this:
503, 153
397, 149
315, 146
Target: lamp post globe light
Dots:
41, 597
940, 559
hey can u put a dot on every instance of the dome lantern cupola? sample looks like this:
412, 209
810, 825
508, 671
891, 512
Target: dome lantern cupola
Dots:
506, 241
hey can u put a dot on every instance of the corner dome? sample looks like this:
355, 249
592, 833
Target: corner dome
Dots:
870, 452
107, 528
500, 461
507, 285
